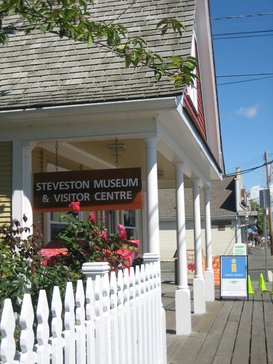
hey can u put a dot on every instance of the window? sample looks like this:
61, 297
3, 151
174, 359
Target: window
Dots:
130, 224
55, 225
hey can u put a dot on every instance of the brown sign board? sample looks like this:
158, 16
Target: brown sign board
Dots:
102, 189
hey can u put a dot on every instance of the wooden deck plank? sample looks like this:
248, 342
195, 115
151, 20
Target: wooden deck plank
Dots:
174, 343
208, 318
182, 350
186, 353
242, 344
209, 348
258, 346
268, 315
225, 350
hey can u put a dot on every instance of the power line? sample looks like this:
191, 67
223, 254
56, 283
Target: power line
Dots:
245, 36
242, 35
243, 81
246, 75
245, 171
242, 16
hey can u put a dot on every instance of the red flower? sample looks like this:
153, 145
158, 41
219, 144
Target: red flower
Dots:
122, 232
103, 234
120, 227
191, 266
75, 206
92, 217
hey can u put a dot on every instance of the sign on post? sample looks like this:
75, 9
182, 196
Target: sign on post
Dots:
234, 276
264, 196
103, 189
239, 249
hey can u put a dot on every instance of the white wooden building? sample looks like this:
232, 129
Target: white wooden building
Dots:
65, 106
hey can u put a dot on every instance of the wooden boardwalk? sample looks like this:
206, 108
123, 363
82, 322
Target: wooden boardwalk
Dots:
231, 331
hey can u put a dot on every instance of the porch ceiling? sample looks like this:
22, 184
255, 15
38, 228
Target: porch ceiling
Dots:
180, 142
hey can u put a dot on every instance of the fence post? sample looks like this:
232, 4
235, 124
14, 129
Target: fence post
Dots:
121, 322
114, 318
161, 340
133, 313
7, 328
139, 317
43, 348
90, 321
57, 340
127, 315
27, 333
69, 325
93, 269
80, 327
98, 272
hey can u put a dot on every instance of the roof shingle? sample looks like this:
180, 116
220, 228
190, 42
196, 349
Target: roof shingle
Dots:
43, 70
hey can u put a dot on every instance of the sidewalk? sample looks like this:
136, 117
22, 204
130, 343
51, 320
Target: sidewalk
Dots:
231, 331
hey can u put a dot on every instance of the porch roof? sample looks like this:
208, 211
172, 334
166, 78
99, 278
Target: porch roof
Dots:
42, 70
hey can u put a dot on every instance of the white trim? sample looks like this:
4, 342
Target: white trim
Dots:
157, 104
152, 196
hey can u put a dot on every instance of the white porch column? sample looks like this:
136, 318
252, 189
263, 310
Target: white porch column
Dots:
182, 294
22, 181
152, 196
209, 273
198, 282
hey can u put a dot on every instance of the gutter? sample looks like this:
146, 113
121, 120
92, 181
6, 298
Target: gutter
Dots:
152, 104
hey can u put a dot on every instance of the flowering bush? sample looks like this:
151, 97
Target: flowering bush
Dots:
88, 241
23, 269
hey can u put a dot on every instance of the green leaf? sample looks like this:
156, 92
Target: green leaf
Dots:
90, 39
128, 60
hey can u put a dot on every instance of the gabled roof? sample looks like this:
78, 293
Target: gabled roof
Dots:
223, 200
42, 70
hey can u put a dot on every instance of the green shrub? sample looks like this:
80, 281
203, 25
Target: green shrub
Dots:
24, 270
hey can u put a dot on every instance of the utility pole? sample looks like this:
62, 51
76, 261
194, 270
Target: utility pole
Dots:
268, 181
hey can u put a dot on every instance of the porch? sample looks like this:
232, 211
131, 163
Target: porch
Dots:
231, 331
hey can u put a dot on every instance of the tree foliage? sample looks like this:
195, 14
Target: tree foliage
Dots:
73, 19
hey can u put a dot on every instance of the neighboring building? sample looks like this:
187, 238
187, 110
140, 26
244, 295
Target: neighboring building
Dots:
65, 106
254, 193
230, 215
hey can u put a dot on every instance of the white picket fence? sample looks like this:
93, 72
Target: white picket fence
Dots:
116, 320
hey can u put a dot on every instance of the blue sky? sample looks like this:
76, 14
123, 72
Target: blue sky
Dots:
246, 108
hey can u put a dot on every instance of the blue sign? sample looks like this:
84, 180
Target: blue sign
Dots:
234, 267
234, 276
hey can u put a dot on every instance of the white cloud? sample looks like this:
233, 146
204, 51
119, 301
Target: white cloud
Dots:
254, 193
248, 112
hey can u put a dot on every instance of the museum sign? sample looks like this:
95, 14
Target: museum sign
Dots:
102, 189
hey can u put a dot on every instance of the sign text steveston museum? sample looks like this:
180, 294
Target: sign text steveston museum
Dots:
101, 189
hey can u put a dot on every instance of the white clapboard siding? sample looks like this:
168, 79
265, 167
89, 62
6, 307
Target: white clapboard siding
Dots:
117, 318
